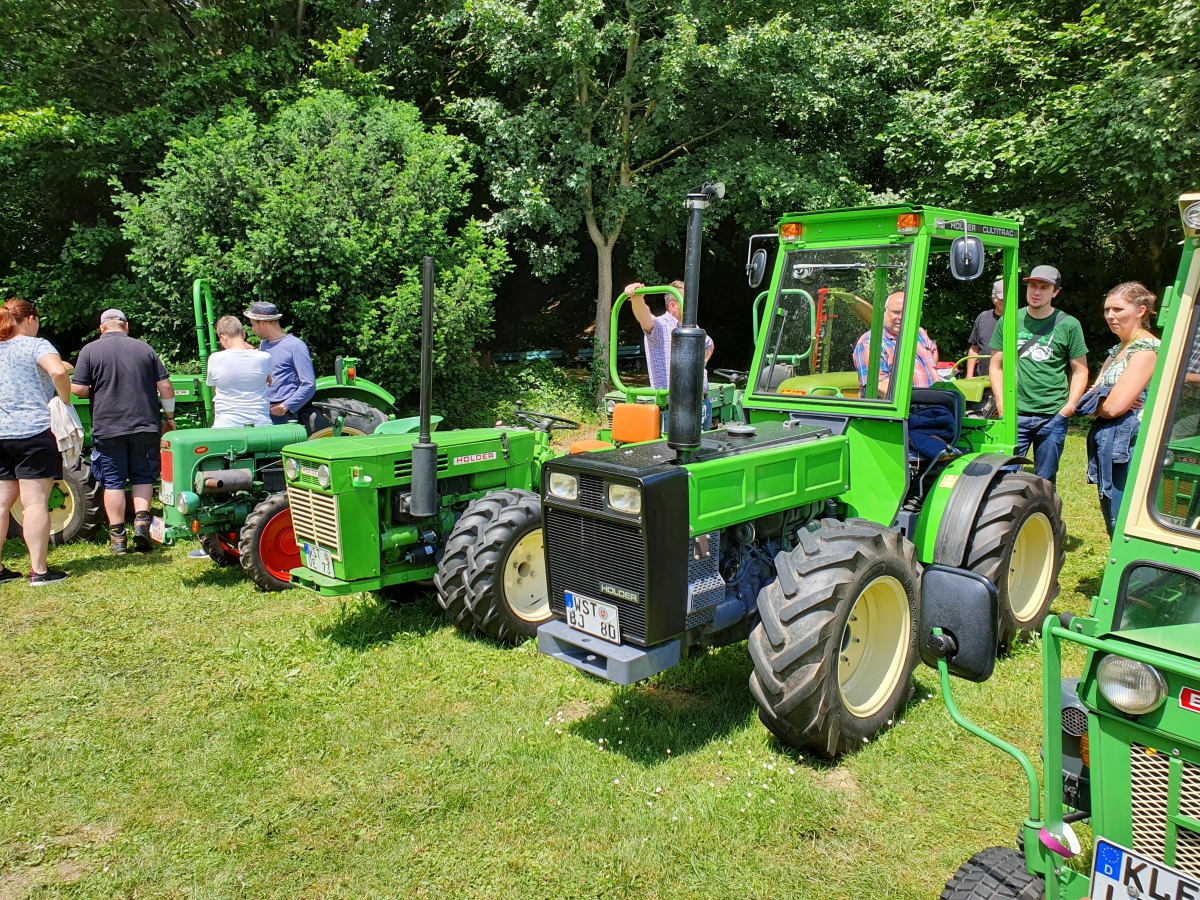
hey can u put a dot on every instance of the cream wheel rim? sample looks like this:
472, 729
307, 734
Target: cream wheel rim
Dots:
328, 432
1031, 567
525, 588
874, 647
59, 518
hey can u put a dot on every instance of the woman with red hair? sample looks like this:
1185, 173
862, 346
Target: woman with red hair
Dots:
31, 373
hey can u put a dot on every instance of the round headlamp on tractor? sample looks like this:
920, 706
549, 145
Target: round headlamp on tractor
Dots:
625, 498
564, 486
291, 469
1131, 686
324, 479
1191, 216
187, 503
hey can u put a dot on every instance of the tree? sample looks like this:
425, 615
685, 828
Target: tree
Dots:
325, 208
606, 113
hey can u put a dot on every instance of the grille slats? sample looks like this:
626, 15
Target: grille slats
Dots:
1149, 780
402, 468
583, 551
591, 492
315, 520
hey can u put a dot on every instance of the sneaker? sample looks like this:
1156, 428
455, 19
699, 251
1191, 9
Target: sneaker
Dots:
50, 576
141, 535
118, 542
7, 574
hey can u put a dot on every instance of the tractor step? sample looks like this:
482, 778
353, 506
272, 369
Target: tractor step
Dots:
618, 663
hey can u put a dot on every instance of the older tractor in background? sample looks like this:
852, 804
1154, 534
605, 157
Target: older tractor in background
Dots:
394, 510
805, 527
1121, 744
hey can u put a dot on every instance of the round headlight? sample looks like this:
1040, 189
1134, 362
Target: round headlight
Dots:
564, 486
1191, 216
624, 498
609, 406
323, 478
1132, 687
291, 468
1168, 459
186, 503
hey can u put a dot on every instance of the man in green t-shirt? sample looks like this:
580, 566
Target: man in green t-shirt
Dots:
1052, 372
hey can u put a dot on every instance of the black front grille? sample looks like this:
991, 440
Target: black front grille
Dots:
583, 552
591, 492
272, 479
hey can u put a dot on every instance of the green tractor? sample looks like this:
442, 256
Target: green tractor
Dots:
1126, 735
387, 512
805, 527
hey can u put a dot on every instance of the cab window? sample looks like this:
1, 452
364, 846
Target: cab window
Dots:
1175, 502
830, 330
1156, 597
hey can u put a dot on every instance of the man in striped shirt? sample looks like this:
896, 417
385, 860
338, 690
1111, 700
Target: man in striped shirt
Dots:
925, 369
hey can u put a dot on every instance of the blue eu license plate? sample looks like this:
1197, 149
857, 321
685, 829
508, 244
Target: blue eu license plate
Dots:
1120, 874
594, 618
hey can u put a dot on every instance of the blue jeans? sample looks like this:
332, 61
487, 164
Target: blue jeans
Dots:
1046, 434
1110, 506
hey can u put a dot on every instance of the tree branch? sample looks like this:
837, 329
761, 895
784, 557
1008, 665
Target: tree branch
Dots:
684, 146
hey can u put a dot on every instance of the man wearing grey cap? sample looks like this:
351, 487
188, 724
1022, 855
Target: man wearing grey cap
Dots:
982, 331
125, 380
293, 381
1052, 372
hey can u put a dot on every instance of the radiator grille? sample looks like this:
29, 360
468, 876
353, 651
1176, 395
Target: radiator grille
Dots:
315, 520
1074, 721
402, 468
272, 479
583, 551
591, 492
1150, 776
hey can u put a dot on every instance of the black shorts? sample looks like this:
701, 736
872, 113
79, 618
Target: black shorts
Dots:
27, 459
132, 458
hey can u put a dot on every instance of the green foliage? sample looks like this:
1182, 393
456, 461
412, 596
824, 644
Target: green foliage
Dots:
479, 397
326, 209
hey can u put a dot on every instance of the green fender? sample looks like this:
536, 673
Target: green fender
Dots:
359, 389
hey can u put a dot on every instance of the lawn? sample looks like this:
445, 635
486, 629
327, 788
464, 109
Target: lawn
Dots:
168, 731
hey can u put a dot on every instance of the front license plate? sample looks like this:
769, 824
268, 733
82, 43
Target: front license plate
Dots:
1120, 874
593, 617
318, 559
158, 529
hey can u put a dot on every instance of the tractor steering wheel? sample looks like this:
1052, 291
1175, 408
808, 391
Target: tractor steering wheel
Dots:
734, 376
545, 421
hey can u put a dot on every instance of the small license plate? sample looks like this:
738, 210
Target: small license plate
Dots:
593, 617
1120, 874
166, 493
319, 560
158, 529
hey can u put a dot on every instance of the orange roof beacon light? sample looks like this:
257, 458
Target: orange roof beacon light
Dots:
791, 231
908, 223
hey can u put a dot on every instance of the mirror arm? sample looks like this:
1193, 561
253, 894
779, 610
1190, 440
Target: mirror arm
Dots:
1035, 810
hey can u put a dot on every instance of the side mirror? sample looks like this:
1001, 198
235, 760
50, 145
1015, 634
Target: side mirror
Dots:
966, 258
965, 606
757, 267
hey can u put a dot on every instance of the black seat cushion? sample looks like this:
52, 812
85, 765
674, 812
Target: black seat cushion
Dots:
948, 398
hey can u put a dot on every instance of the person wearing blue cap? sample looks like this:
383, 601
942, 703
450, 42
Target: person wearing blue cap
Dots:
293, 380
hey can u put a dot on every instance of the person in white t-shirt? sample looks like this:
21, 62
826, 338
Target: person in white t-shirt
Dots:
240, 375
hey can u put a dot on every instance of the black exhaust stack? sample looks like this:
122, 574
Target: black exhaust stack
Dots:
685, 401
423, 496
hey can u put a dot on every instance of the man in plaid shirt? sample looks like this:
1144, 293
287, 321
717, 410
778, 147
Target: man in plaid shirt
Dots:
925, 369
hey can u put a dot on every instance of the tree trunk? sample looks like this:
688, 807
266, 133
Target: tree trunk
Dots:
604, 301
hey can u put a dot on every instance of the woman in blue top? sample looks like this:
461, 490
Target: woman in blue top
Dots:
1120, 392
31, 372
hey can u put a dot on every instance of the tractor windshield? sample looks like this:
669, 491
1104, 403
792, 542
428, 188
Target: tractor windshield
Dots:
1176, 502
829, 321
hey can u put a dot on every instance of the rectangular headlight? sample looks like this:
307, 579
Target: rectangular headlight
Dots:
624, 498
564, 486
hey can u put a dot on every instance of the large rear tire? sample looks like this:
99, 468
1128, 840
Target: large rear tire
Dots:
507, 589
1017, 543
450, 579
222, 548
997, 873
267, 544
76, 507
836, 646
361, 418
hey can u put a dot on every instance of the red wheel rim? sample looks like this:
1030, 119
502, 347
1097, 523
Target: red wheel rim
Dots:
277, 546
228, 543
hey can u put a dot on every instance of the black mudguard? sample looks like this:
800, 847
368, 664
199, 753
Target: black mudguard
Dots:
958, 521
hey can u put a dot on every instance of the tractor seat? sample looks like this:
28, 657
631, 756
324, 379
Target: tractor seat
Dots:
949, 399
632, 423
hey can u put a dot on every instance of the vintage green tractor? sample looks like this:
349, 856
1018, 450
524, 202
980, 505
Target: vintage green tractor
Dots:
805, 528
1126, 735
389, 511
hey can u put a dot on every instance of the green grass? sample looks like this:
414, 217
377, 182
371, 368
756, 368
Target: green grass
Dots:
168, 731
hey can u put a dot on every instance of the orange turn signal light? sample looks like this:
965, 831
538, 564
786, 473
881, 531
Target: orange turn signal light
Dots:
908, 223
195, 526
350, 374
1085, 751
791, 231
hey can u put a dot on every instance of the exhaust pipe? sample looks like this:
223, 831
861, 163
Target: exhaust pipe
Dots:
423, 495
685, 398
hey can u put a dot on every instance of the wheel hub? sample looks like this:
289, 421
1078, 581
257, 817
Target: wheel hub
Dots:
526, 589
1030, 567
874, 646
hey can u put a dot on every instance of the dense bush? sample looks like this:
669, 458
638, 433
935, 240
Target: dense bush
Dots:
477, 397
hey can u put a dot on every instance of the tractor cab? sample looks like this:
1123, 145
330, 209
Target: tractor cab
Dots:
803, 525
1121, 744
